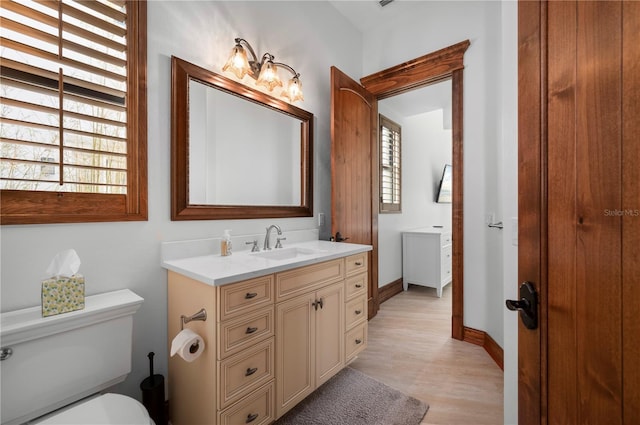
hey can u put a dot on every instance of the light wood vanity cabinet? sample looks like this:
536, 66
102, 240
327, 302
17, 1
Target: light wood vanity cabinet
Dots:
234, 376
270, 341
309, 331
355, 306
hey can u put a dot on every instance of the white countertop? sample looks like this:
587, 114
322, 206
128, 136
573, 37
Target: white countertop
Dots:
429, 230
216, 270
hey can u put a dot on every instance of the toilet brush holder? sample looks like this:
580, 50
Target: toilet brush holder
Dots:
153, 394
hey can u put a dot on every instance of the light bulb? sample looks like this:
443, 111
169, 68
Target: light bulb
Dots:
269, 76
294, 90
238, 63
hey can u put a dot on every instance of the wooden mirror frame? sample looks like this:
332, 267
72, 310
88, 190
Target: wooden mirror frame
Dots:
181, 73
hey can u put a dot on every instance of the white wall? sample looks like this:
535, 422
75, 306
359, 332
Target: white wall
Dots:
127, 255
311, 36
430, 26
426, 147
509, 175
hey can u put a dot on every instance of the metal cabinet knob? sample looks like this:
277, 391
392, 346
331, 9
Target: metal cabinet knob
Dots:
5, 353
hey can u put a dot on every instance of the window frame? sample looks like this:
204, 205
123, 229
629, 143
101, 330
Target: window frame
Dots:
389, 207
38, 207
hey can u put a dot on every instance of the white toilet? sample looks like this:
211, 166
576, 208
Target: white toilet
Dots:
53, 368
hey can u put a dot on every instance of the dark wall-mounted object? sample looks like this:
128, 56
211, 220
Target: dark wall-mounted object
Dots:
445, 193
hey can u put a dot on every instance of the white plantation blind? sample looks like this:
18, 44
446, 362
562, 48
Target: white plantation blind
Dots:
64, 96
390, 171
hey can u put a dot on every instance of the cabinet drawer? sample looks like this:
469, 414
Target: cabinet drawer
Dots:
304, 279
445, 239
446, 255
446, 275
240, 298
240, 374
445, 265
355, 341
356, 263
258, 408
356, 311
355, 285
242, 332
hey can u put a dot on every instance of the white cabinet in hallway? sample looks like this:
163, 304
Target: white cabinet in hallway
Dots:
426, 258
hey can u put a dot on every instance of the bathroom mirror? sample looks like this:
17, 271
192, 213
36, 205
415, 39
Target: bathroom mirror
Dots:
236, 152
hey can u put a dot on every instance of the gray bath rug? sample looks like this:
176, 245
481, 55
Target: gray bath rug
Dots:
353, 398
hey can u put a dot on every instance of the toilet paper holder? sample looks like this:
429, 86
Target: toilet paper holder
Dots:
200, 315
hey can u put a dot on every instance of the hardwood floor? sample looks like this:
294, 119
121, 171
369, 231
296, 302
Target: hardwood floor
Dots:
410, 348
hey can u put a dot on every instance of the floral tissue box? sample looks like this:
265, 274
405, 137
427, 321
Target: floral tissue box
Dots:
62, 295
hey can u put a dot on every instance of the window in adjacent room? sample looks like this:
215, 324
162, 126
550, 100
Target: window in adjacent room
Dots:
73, 114
390, 170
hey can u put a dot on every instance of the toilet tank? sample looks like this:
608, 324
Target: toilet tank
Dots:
59, 359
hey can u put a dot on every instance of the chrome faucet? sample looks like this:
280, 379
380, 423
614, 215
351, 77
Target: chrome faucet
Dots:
266, 238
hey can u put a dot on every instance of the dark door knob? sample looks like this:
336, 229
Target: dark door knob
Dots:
523, 304
340, 238
527, 305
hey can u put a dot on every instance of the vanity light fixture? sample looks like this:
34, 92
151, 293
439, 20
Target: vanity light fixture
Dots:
264, 71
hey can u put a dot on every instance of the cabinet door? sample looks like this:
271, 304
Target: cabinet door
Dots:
329, 332
295, 351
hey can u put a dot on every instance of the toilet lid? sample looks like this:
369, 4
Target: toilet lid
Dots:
105, 409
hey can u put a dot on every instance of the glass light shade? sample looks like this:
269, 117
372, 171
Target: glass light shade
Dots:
293, 91
238, 63
269, 76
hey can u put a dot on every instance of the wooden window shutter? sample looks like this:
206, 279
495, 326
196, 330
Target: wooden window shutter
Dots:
73, 119
390, 169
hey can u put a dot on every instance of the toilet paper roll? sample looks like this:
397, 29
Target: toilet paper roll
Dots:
188, 345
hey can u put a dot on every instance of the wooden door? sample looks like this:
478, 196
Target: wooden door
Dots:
329, 332
579, 210
295, 351
354, 177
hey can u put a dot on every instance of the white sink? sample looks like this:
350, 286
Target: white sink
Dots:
286, 253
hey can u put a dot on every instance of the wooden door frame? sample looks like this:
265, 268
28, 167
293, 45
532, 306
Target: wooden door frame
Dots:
441, 65
532, 199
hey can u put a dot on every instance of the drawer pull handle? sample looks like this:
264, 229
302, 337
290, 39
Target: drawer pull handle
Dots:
250, 371
358, 341
358, 311
251, 330
5, 353
358, 285
251, 295
318, 303
358, 263
251, 417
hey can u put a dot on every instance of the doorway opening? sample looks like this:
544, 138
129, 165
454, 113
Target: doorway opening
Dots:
414, 241
444, 64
